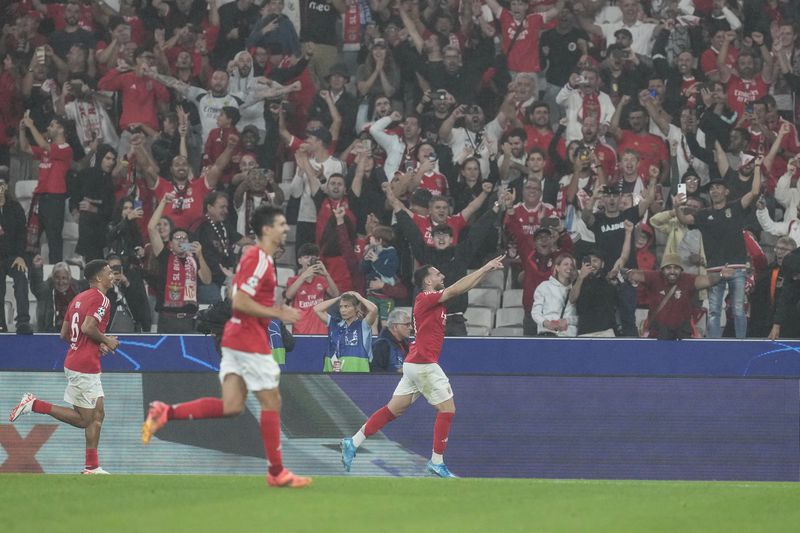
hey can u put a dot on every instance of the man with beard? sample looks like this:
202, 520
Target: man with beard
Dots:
739, 182
210, 102
458, 77
671, 296
186, 207
400, 151
73, 33
721, 226
745, 85
581, 98
511, 163
595, 298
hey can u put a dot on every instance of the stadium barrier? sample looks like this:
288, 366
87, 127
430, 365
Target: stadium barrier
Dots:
506, 426
488, 355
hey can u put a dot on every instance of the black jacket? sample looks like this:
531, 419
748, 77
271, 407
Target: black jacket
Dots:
453, 262
12, 230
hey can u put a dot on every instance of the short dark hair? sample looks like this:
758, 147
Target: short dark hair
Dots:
264, 215
420, 274
421, 197
232, 113
536, 105
517, 132
93, 268
309, 249
385, 234
442, 228
212, 198
179, 230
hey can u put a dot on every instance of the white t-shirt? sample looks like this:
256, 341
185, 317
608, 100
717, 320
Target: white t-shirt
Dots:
210, 106
300, 188
91, 118
484, 143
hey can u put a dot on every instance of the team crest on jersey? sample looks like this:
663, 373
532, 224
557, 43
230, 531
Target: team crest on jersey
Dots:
77, 305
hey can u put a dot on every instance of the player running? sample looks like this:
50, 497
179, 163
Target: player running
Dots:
247, 362
421, 371
84, 328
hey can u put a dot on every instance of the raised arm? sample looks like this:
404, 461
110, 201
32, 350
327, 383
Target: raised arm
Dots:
471, 280
321, 309
152, 225
372, 309
725, 72
755, 190
474, 205
722, 159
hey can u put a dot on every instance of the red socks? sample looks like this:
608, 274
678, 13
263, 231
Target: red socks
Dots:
41, 407
200, 408
440, 430
92, 461
379, 418
271, 434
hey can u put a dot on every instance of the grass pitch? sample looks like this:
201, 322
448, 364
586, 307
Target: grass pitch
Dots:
53, 503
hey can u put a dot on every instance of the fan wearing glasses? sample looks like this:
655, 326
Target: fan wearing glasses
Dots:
389, 350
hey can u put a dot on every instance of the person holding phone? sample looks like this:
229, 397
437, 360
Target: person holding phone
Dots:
180, 265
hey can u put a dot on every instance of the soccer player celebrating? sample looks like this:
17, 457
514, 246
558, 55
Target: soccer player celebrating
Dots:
247, 362
421, 371
84, 328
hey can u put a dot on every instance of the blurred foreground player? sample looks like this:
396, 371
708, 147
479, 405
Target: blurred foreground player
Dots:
421, 371
84, 328
247, 362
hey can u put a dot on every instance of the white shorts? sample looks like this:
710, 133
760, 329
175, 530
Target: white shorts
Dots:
259, 371
83, 390
427, 379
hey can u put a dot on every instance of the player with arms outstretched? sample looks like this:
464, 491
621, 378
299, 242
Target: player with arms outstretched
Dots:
247, 362
421, 371
84, 328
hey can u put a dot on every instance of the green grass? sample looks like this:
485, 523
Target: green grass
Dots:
53, 503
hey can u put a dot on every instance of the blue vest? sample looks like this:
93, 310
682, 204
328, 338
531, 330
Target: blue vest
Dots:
351, 344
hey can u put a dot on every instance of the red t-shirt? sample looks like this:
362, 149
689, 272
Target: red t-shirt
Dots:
186, 211
54, 164
740, 91
429, 320
679, 307
307, 296
255, 276
708, 61
139, 97
524, 56
529, 219
425, 225
84, 353
651, 149
434, 182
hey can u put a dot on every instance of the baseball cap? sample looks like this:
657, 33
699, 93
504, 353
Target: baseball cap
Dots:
671, 259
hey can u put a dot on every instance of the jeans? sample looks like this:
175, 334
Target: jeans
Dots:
715, 305
51, 222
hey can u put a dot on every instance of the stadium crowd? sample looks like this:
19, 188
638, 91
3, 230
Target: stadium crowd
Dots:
629, 155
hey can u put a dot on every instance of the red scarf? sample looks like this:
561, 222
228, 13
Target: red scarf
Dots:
351, 27
591, 106
180, 287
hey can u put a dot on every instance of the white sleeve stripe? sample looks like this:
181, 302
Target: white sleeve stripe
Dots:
248, 289
263, 263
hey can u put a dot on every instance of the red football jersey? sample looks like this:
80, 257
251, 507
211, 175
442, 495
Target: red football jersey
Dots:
425, 225
54, 165
307, 296
255, 275
84, 353
651, 149
429, 320
186, 210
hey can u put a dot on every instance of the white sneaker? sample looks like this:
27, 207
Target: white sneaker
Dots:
24, 407
97, 470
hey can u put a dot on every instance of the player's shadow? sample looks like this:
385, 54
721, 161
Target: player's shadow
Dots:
240, 435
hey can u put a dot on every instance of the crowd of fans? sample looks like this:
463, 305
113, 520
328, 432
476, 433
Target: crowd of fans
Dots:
624, 155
